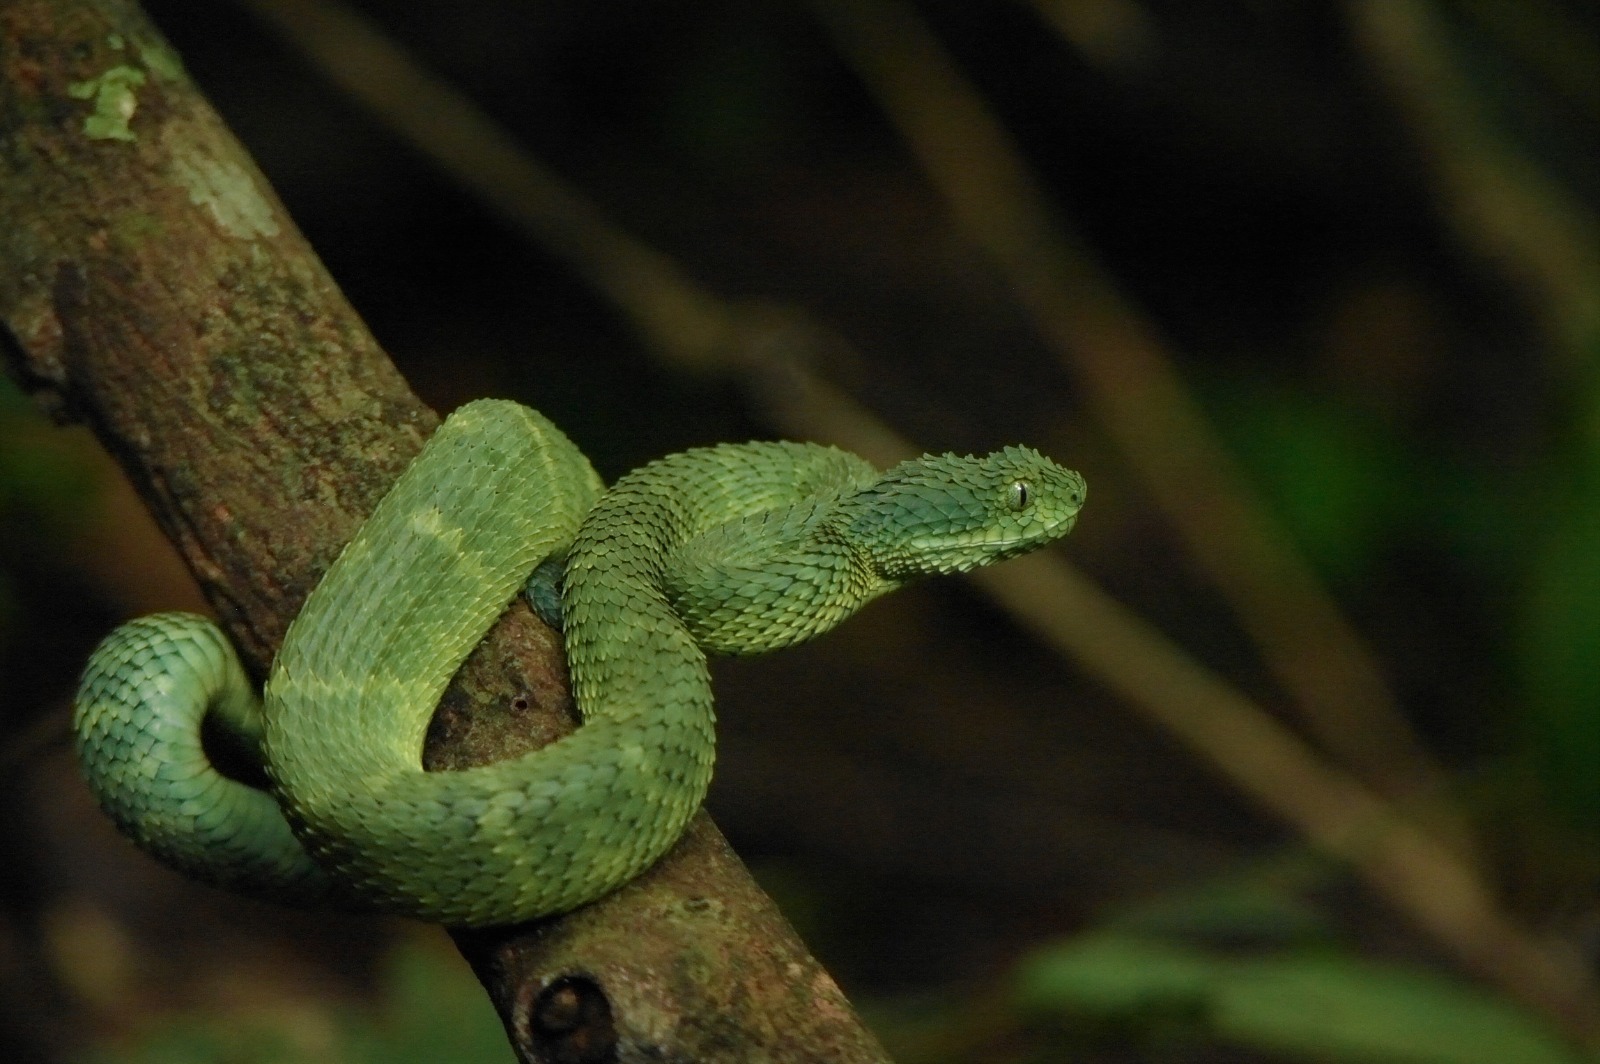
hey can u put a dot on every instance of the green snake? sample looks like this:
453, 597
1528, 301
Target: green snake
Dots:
734, 549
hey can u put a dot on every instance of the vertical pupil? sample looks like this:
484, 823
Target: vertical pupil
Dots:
1019, 495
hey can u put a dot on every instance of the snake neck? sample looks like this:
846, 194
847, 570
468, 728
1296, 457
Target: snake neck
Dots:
729, 549
771, 580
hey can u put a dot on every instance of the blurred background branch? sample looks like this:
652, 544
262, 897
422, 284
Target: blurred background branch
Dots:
1502, 203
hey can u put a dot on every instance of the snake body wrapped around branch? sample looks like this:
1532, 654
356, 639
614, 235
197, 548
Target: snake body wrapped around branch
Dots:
735, 549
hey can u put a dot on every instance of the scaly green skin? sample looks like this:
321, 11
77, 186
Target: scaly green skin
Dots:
736, 549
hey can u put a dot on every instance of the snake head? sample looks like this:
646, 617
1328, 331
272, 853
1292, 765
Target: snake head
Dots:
950, 513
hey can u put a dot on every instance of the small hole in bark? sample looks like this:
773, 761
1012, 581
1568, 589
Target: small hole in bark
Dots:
568, 1022
520, 703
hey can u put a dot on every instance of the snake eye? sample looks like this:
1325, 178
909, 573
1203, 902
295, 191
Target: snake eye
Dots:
1019, 495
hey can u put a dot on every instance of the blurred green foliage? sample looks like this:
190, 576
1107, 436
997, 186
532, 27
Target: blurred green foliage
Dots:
1341, 481
431, 1011
1559, 653
45, 492
1350, 489
41, 481
1558, 648
1245, 966
1328, 1005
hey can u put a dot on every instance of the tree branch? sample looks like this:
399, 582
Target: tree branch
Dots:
152, 286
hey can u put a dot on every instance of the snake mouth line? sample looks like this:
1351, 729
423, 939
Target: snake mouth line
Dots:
1027, 542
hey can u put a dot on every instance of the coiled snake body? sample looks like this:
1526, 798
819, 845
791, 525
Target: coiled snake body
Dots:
734, 549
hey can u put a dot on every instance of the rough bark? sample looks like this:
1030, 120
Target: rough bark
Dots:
152, 287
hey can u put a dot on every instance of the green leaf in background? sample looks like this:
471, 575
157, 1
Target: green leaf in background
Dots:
1343, 1007
432, 1012
1259, 907
1323, 1006
1559, 656
201, 1042
436, 1012
44, 480
1123, 980
1336, 478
